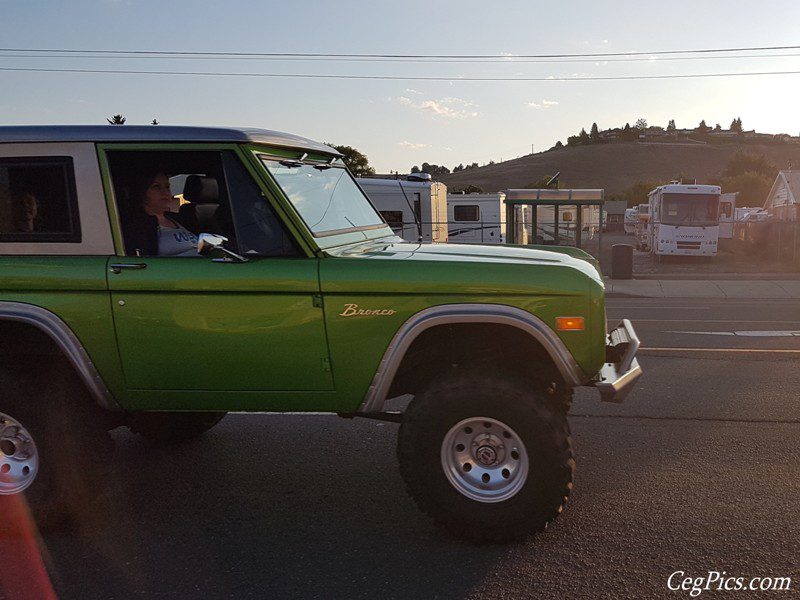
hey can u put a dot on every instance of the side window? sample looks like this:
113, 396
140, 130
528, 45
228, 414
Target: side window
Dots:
38, 202
259, 230
394, 218
166, 199
467, 212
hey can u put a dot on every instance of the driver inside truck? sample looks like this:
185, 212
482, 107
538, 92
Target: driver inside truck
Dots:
151, 226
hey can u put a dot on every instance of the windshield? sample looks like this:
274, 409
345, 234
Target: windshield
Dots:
327, 198
689, 209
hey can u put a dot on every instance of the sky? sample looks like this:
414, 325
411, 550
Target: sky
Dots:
401, 123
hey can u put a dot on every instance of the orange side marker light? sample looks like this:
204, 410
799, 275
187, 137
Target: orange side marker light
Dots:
570, 324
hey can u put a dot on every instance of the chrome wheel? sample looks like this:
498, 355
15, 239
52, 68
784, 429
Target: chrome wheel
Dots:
19, 459
484, 459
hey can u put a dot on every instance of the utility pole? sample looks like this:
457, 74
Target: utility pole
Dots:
531, 148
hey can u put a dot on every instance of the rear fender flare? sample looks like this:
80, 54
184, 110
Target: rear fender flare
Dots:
67, 342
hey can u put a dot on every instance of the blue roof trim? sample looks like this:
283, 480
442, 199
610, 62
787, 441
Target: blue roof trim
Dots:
156, 133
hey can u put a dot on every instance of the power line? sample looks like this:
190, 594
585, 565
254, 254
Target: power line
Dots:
389, 60
407, 56
403, 78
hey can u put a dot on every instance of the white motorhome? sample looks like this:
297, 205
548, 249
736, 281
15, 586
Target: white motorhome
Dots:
631, 218
415, 209
476, 218
684, 220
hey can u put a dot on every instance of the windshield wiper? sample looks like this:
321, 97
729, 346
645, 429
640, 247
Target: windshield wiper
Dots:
298, 163
291, 163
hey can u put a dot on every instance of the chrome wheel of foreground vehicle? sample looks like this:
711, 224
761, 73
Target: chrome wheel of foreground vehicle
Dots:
484, 459
19, 458
489, 458
54, 444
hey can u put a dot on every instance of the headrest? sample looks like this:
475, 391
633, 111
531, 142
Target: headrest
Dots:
201, 190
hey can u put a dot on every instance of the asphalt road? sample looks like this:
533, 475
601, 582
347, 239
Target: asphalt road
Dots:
699, 470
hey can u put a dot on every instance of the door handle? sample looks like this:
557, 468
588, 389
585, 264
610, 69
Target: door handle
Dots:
116, 268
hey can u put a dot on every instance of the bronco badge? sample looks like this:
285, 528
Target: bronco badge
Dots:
352, 310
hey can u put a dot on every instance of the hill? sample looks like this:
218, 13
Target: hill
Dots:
616, 167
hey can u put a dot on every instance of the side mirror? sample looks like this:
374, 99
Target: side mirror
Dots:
206, 242
209, 242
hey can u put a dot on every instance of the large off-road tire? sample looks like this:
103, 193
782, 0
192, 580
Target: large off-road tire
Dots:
489, 459
173, 427
54, 443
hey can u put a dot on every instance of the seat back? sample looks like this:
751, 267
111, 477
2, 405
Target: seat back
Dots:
203, 196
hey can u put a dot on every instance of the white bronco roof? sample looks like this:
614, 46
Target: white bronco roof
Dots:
155, 133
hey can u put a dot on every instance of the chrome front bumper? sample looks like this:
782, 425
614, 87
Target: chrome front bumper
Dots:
618, 378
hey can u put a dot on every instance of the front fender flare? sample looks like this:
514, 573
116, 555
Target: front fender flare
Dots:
449, 314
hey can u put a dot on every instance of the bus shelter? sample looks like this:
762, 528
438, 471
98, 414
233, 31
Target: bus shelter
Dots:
555, 217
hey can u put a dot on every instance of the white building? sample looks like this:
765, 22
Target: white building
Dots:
784, 197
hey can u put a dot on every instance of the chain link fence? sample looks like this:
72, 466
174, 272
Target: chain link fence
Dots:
763, 245
777, 241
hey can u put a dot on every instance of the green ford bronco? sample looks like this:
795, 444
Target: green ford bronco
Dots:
159, 277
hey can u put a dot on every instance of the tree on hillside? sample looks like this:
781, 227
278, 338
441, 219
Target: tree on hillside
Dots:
473, 189
415, 169
116, 120
459, 168
717, 127
702, 128
753, 187
637, 193
641, 124
736, 125
671, 125
629, 133
745, 162
355, 160
434, 169
594, 134
154, 122
558, 144
582, 138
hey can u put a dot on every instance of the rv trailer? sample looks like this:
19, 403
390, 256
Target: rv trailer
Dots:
415, 208
476, 218
631, 217
642, 227
727, 214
